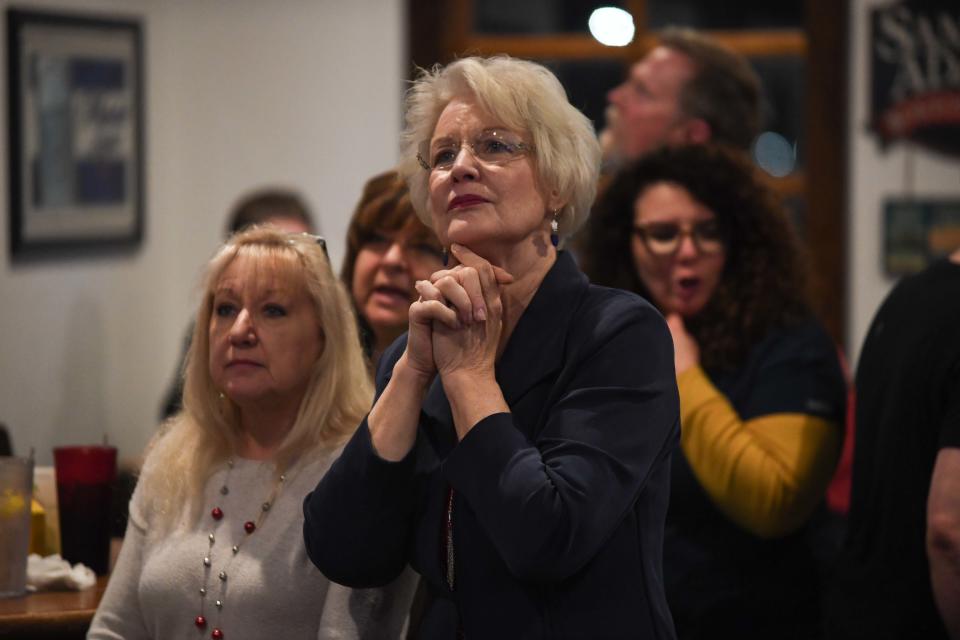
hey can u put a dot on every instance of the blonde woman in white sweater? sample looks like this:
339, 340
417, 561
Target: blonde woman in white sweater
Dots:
275, 383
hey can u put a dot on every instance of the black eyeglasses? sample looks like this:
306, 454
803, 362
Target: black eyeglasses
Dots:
663, 238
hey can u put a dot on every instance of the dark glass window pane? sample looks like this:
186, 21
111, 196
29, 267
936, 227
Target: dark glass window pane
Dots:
533, 17
710, 14
587, 83
783, 89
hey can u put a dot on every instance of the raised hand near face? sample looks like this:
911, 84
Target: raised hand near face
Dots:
429, 309
472, 290
455, 299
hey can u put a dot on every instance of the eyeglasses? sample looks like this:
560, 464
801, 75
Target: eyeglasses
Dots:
663, 238
320, 240
491, 146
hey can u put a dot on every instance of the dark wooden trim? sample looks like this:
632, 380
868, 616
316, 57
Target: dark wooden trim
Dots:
826, 158
638, 9
424, 21
563, 46
759, 44
794, 184
753, 44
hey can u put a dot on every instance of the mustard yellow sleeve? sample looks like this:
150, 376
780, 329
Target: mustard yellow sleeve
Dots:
766, 474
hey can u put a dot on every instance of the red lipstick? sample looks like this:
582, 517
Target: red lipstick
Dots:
467, 200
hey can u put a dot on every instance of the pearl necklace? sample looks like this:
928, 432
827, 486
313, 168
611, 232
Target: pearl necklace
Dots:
249, 527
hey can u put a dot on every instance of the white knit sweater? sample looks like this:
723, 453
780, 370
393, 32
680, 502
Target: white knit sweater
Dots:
272, 589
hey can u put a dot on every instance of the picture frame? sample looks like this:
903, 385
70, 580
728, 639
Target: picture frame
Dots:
918, 231
76, 133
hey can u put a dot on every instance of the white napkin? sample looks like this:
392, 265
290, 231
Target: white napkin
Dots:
54, 573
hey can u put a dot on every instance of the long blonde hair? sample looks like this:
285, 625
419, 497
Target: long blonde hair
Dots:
191, 446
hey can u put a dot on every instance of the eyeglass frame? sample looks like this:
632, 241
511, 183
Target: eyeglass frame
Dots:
320, 240
683, 230
524, 147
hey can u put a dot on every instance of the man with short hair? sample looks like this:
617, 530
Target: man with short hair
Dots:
687, 90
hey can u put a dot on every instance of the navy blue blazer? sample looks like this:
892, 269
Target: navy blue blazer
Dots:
559, 505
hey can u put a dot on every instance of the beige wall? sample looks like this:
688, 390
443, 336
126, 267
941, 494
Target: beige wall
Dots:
239, 93
874, 175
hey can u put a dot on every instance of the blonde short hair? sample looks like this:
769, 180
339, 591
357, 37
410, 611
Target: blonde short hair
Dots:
527, 98
206, 432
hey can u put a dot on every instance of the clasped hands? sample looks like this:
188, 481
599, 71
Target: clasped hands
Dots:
455, 326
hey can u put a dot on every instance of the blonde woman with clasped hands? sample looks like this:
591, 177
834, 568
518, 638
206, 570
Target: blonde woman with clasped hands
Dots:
522, 428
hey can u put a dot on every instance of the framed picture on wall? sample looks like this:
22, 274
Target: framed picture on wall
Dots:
918, 231
75, 131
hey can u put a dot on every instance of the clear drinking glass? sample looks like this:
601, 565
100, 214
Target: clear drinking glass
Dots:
16, 492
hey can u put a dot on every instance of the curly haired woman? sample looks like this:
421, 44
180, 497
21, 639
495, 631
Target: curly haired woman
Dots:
762, 394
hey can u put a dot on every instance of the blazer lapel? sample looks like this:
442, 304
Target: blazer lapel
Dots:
536, 348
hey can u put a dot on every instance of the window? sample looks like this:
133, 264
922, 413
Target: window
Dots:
804, 152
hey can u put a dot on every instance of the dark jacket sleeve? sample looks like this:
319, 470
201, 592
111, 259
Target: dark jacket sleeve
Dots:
550, 504
358, 520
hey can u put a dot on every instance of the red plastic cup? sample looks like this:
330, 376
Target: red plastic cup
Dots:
85, 477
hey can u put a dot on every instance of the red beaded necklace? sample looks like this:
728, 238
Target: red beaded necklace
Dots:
249, 528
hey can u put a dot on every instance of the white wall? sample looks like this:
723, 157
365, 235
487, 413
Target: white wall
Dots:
873, 176
239, 93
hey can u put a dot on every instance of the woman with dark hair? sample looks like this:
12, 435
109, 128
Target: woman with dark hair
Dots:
388, 250
762, 394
